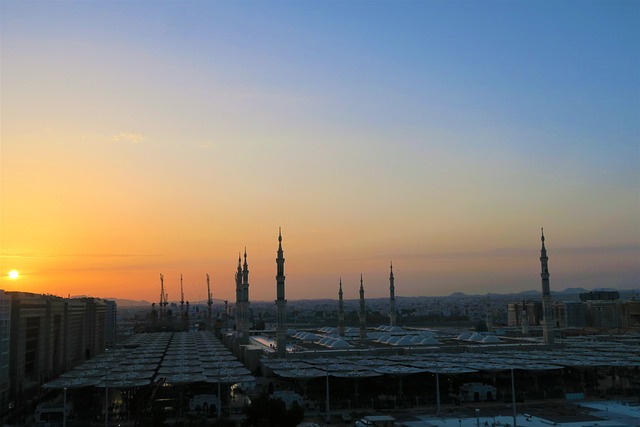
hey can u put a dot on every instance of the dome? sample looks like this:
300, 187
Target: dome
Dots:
352, 332
383, 338
489, 339
393, 340
476, 337
340, 343
430, 341
405, 340
464, 336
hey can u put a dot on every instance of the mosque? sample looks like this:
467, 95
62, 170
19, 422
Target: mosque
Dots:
331, 369
418, 364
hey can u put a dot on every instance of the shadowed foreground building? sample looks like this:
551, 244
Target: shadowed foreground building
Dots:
48, 335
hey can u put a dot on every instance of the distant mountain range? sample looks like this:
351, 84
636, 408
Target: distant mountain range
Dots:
568, 291
530, 293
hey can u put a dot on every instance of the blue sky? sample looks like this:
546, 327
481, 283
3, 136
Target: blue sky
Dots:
367, 130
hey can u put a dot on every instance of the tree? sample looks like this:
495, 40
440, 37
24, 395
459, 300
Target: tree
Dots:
267, 411
481, 326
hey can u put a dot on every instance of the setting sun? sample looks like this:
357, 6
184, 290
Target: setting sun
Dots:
13, 274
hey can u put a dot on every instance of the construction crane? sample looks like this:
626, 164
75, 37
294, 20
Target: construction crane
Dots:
163, 296
161, 289
209, 299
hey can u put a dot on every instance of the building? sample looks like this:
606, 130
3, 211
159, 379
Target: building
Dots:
575, 315
47, 336
604, 314
36, 327
633, 314
5, 344
74, 324
111, 315
600, 295
95, 327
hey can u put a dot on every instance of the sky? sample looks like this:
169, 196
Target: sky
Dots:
149, 137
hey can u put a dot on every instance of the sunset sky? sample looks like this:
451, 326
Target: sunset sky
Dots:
151, 137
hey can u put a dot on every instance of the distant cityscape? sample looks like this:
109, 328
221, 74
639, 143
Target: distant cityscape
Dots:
60, 355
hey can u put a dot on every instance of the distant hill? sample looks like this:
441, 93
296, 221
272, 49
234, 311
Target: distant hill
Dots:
532, 293
574, 291
458, 295
529, 293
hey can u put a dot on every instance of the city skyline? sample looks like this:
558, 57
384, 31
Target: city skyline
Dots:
141, 138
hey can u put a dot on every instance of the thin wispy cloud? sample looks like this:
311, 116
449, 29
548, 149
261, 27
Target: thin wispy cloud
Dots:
77, 255
507, 252
129, 137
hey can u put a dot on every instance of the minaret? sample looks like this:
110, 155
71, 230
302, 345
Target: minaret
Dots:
525, 319
489, 316
281, 303
209, 301
362, 315
239, 296
547, 310
340, 311
392, 299
245, 300
183, 315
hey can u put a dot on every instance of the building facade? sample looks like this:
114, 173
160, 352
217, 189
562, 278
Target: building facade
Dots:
5, 345
43, 336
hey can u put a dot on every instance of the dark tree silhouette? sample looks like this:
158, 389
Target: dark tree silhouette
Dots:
266, 411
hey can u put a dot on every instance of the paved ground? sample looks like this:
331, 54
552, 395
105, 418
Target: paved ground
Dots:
531, 413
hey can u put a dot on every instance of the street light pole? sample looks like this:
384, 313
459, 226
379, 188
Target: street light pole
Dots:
327, 406
437, 393
219, 405
477, 417
106, 399
64, 408
513, 399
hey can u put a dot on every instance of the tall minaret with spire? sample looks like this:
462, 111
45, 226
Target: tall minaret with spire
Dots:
340, 311
392, 299
239, 296
245, 300
362, 315
281, 303
547, 310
